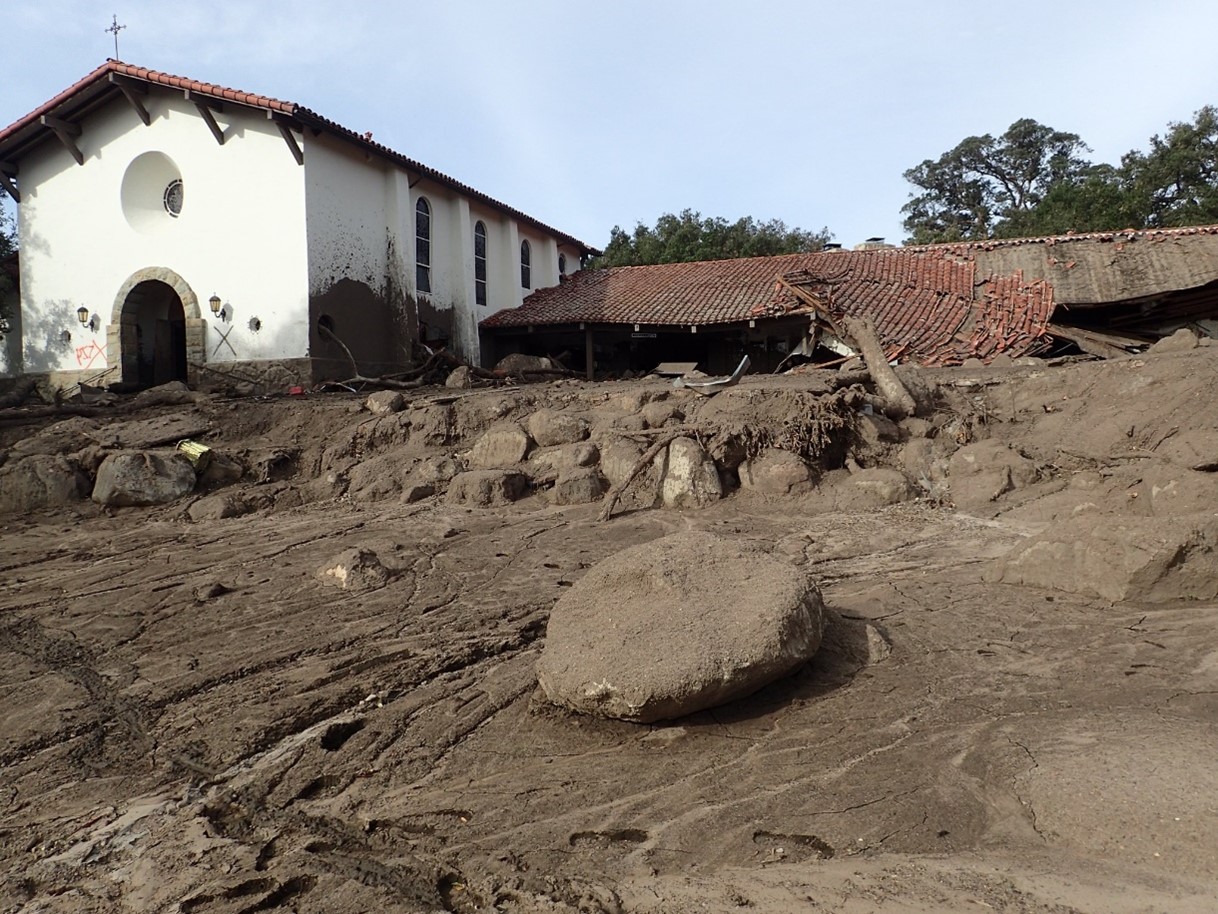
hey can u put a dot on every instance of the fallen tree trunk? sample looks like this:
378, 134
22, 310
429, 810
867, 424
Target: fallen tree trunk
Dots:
615, 493
899, 402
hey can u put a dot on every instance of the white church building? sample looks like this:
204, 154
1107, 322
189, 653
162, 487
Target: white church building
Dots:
174, 229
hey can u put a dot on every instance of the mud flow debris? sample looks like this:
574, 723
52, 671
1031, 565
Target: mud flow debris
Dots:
304, 673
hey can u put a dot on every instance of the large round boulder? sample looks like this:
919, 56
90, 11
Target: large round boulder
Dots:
142, 478
678, 625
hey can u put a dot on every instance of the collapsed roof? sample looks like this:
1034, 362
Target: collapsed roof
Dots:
934, 305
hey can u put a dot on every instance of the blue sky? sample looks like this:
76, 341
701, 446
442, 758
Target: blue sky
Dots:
588, 116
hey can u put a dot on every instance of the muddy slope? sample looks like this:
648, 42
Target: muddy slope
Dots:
194, 720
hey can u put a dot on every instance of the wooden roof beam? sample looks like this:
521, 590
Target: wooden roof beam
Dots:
132, 91
8, 171
285, 131
67, 133
205, 105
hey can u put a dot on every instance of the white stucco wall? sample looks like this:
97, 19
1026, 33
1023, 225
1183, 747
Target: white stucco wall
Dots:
240, 234
265, 234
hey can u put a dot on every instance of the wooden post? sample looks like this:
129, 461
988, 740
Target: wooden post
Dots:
589, 358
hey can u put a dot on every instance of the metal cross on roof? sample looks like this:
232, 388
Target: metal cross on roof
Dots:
115, 28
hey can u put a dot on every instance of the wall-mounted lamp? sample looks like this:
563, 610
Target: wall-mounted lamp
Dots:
217, 308
92, 321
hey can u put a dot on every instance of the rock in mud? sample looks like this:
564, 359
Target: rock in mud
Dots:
689, 478
618, 459
500, 446
776, 472
659, 412
551, 460
676, 626
40, 481
549, 427
384, 402
517, 362
874, 487
578, 486
1183, 340
460, 378
1148, 559
142, 478
981, 473
218, 507
486, 488
355, 569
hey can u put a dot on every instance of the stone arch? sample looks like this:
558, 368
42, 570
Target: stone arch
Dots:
190, 301
121, 332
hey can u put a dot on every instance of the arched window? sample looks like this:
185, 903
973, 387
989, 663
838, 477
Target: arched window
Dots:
562, 264
422, 245
526, 269
479, 263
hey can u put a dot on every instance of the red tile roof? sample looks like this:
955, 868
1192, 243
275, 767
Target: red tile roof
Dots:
929, 306
678, 294
1129, 234
96, 84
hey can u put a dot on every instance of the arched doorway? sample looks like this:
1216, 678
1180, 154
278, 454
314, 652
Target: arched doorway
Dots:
153, 335
154, 326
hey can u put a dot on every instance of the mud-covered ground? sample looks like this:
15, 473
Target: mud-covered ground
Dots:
193, 720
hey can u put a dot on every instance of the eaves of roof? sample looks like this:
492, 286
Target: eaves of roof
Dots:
1129, 234
98, 88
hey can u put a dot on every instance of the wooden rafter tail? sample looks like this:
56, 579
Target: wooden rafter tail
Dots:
205, 106
285, 131
134, 93
67, 133
8, 171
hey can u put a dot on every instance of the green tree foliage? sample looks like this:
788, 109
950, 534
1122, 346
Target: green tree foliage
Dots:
688, 237
8, 244
1034, 181
1175, 182
972, 190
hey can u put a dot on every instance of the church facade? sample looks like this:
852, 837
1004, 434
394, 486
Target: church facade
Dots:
174, 229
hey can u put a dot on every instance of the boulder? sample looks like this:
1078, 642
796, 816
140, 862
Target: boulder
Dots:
550, 460
435, 470
460, 378
549, 427
659, 412
1147, 559
688, 477
618, 459
676, 626
776, 472
417, 491
518, 362
1183, 340
486, 488
501, 445
384, 402
218, 507
40, 481
355, 569
142, 478
875, 487
981, 473
578, 486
